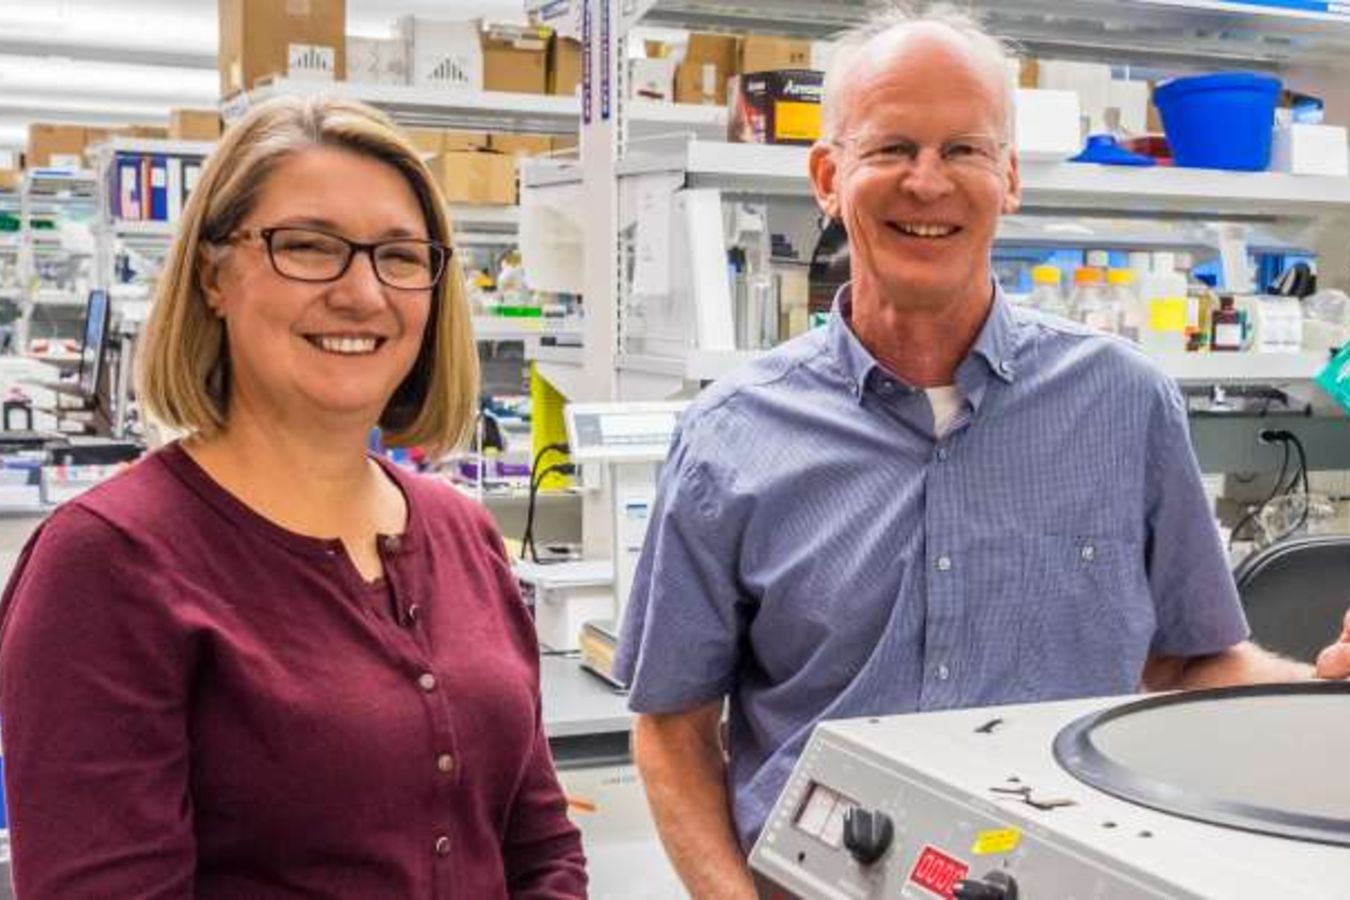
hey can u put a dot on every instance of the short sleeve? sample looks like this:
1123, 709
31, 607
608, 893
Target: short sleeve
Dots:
685, 621
94, 687
1195, 599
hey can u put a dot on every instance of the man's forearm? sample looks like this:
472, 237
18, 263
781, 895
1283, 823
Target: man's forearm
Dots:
685, 777
1244, 663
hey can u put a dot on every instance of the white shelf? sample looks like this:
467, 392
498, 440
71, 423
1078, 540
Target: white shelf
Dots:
507, 328
484, 218
565, 356
782, 170
144, 228
433, 108
1202, 32
158, 146
1193, 368
1239, 368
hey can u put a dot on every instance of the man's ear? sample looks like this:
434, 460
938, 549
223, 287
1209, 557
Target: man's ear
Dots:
1012, 197
210, 263
824, 169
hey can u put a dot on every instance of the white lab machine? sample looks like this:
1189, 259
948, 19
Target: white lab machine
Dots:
630, 440
1234, 793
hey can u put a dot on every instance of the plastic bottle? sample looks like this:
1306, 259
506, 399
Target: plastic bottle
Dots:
1046, 293
1089, 302
1124, 300
1163, 329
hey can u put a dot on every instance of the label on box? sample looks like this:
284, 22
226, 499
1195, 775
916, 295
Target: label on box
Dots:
794, 121
1167, 314
1335, 378
311, 62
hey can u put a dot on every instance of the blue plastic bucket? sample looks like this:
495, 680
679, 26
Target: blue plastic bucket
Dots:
1221, 121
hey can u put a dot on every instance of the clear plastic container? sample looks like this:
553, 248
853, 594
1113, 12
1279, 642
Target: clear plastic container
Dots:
1163, 329
1124, 299
1046, 293
1090, 303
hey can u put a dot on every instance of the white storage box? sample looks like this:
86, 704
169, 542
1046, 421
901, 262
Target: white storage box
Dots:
443, 54
1047, 124
1310, 150
377, 60
565, 596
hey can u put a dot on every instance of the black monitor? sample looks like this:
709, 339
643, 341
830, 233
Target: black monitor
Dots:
97, 322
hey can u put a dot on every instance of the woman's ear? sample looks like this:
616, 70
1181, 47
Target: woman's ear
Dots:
210, 265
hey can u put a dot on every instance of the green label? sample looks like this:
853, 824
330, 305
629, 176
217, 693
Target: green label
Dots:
1335, 378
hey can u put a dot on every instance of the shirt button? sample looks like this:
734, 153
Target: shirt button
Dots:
442, 846
1005, 367
1088, 553
943, 563
414, 612
426, 681
445, 762
943, 673
392, 543
942, 454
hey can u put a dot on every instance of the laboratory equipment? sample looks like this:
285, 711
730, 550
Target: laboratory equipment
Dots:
631, 440
1232, 793
1046, 293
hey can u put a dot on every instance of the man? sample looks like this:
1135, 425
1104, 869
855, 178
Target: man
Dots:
935, 501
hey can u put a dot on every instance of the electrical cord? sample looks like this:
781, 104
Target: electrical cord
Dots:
527, 539
1256, 510
1285, 439
566, 468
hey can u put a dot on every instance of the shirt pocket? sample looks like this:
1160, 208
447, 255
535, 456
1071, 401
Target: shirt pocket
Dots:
1088, 616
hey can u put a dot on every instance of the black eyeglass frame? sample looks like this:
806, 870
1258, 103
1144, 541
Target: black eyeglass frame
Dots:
353, 248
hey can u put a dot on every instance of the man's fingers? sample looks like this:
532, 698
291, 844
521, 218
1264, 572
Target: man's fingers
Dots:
1334, 662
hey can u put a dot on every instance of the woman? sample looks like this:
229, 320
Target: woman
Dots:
261, 663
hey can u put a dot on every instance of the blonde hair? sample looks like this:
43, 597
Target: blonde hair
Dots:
183, 371
996, 53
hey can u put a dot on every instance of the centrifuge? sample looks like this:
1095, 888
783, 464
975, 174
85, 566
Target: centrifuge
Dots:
1231, 793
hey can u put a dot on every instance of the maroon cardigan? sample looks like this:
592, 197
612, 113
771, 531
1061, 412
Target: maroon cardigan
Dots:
199, 703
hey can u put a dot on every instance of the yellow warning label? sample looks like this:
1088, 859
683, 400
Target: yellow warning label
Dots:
1167, 314
794, 121
999, 840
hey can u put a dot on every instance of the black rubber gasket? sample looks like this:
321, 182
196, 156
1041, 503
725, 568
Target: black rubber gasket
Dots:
1077, 754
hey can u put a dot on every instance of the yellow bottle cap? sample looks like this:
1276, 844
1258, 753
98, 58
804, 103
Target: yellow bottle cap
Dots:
1045, 275
1120, 276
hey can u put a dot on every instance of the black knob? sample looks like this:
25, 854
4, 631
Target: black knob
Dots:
867, 834
997, 885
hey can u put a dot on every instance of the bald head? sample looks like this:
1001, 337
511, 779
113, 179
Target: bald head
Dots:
943, 39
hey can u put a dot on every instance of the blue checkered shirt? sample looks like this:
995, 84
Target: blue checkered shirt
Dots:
816, 552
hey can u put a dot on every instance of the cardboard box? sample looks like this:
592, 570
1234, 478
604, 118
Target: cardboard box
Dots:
55, 145
520, 144
194, 124
443, 53
434, 140
377, 60
295, 38
476, 176
515, 58
708, 62
759, 53
564, 143
778, 107
9, 179
153, 132
1310, 150
651, 79
564, 67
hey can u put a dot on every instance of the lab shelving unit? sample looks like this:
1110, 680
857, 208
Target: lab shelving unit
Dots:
1272, 209
622, 166
58, 195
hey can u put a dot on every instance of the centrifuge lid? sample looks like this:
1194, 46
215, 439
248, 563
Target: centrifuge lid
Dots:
1267, 758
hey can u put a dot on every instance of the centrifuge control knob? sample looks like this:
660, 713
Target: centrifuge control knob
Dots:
997, 885
867, 834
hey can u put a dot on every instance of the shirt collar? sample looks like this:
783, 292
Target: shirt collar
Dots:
996, 343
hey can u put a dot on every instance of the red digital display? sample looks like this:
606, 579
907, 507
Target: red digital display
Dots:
937, 872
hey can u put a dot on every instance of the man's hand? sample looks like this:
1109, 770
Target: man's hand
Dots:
1334, 661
